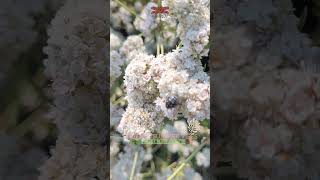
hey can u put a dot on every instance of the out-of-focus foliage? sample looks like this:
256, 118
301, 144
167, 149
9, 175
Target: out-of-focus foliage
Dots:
26, 133
267, 90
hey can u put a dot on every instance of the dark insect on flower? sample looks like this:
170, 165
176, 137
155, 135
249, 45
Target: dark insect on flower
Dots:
171, 102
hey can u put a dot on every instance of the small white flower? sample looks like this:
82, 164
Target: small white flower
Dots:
203, 158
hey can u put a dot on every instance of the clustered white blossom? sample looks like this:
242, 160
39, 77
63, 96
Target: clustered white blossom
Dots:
179, 130
120, 52
171, 85
122, 168
116, 60
77, 66
150, 81
193, 28
203, 158
116, 40
267, 103
133, 44
120, 17
115, 114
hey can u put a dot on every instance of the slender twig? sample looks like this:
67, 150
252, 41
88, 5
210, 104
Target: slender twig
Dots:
119, 101
158, 49
161, 49
185, 162
147, 174
134, 165
172, 165
153, 166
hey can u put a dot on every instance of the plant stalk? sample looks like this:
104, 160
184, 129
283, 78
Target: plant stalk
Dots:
184, 163
135, 159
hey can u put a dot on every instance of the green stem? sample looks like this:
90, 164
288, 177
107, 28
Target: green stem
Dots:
118, 101
158, 49
147, 174
161, 48
184, 163
153, 166
172, 165
134, 165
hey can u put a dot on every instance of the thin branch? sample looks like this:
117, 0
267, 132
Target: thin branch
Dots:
158, 49
184, 163
161, 49
134, 165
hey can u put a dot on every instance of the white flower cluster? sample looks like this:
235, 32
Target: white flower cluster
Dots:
203, 158
157, 90
122, 168
265, 101
151, 82
76, 63
132, 45
120, 52
115, 114
120, 17
183, 78
193, 24
116, 40
116, 61
171, 84
179, 129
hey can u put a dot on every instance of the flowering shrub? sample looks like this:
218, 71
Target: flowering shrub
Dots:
77, 66
158, 88
266, 99
265, 62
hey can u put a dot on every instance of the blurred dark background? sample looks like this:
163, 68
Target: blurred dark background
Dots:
26, 134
